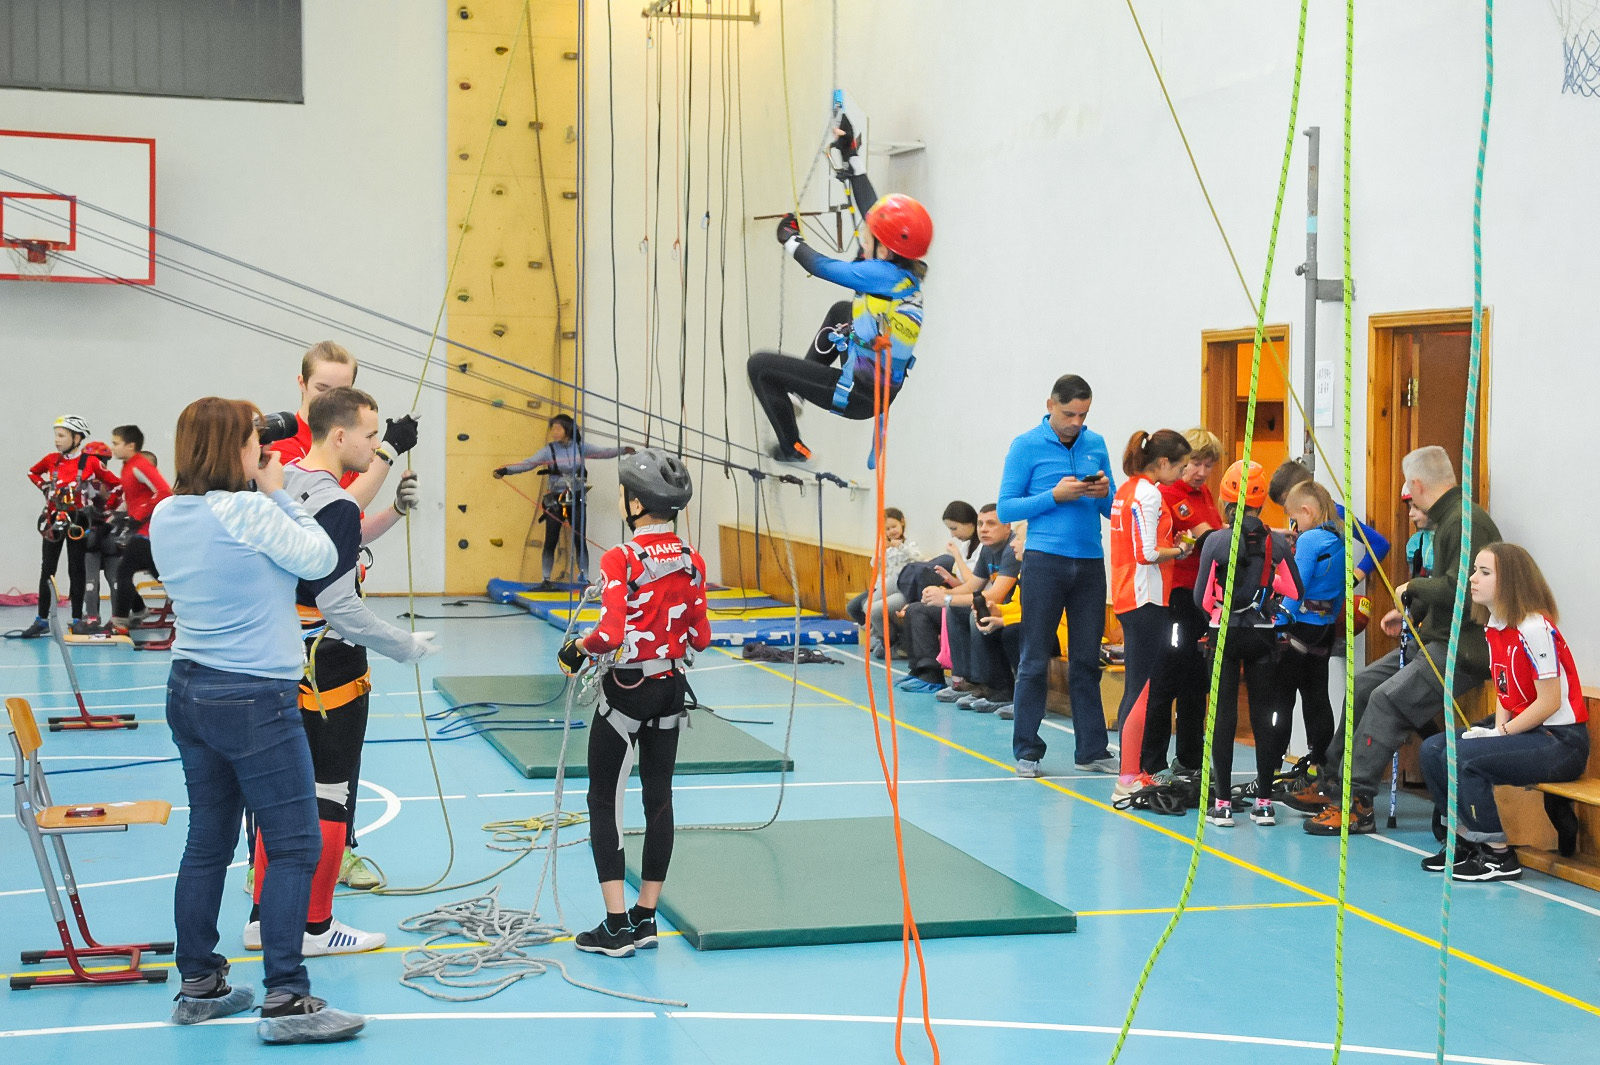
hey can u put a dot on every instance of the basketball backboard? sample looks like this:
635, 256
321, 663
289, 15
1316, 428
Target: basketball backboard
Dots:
77, 207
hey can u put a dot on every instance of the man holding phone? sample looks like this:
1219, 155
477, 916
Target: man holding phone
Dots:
1057, 479
989, 581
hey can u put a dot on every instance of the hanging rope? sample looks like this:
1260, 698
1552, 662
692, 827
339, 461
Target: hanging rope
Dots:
1235, 537
1464, 564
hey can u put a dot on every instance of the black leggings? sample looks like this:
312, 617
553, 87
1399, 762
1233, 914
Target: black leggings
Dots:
1251, 651
555, 530
634, 722
775, 377
1184, 682
135, 557
1307, 674
336, 739
76, 552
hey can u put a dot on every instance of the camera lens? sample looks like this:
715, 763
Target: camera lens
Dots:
274, 427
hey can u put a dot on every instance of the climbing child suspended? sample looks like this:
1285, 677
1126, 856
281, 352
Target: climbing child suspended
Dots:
874, 333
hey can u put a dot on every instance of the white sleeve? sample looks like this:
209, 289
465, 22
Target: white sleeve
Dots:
1540, 641
279, 528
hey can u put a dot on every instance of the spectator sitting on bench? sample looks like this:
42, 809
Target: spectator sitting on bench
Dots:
1540, 731
998, 650
993, 576
871, 603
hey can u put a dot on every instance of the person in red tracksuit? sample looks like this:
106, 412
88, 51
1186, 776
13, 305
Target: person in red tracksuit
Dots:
65, 476
652, 615
142, 488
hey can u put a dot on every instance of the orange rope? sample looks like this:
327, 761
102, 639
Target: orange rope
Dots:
909, 935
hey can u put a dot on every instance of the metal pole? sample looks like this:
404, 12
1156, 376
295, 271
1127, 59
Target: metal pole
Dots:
822, 559
1309, 270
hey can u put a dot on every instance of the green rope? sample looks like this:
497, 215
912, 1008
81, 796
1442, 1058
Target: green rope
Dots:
1464, 564
1238, 524
1349, 556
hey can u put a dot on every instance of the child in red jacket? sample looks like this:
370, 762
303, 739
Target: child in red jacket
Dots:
652, 615
67, 477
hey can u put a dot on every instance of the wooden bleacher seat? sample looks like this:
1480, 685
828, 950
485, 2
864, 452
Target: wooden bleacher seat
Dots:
1581, 797
40, 818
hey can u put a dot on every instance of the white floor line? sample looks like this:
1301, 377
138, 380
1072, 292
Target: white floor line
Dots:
1518, 884
92, 691
878, 783
818, 1018
79, 664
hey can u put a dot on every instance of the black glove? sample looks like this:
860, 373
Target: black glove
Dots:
846, 143
788, 228
401, 433
571, 657
500, 471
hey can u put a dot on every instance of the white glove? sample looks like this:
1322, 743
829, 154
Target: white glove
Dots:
1478, 732
424, 644
407, 496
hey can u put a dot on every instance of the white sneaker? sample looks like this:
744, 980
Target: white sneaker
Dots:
340, 938
252, 936
1027, 768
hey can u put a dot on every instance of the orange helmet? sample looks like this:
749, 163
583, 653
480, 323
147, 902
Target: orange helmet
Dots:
901, 224
1254, 481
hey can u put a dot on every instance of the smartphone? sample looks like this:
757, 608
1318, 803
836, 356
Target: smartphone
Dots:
945, 574
980, 606
1092, 478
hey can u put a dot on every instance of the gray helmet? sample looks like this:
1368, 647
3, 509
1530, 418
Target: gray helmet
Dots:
659, 481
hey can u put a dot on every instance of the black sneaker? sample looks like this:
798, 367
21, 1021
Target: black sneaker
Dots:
602, 940
1435, 863
1484, 864
306, 1019
40, 627
644, 932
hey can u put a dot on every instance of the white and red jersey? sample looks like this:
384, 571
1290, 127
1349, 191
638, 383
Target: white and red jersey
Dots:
77, 469
1141, 525
652, 599
1530, 652
142, 488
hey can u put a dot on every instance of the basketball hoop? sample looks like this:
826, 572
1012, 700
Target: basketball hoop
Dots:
1580, 45
33, 260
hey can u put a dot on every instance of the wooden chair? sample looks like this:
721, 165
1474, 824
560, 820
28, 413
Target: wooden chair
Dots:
39, 818
159, 627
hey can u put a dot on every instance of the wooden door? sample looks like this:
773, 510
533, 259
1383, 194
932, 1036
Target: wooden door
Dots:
1225, 393
1418, 381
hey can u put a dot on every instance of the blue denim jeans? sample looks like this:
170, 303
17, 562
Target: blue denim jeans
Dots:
1052, 584
241, 741
1539, 756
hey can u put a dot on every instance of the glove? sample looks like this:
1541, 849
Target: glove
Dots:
401, 433
407, 495
572, 657
424, 644
500, 471
1479, 732
846, 143
788, 229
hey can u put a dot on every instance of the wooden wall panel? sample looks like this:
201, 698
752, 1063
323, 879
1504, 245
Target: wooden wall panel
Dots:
847, 570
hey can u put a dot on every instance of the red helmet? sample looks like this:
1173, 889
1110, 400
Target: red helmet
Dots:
901, 224
1252, 484
99, 449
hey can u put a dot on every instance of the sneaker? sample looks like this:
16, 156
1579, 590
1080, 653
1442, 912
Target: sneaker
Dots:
1485, 865
252, 935
797, 454
1262, 813
359, 873
227, 1002
1435, 863
1220, 813
1331, 818
89, 626
981, 704
1005, 711
340, 938
917, 686
1309, 800
250, 879
304, 1019
1109, 763
1028, 768
955, 692
1124, 788
645, 936
969, 701
40, 627
602, 940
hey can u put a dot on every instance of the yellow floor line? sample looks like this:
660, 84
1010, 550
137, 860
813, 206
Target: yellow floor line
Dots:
1366, 915
256, 957
1169, 910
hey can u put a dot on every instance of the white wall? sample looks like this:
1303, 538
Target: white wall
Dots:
344, 193
1071, 236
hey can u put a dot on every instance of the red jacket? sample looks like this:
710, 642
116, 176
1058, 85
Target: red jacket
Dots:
651, 619
142, 488
76, 469
1191, 508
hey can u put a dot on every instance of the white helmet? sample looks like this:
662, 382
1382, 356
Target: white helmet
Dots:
72, 424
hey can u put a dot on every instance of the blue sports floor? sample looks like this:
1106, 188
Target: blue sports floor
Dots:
1248, 976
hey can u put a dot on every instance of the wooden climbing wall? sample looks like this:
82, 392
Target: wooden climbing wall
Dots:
515, 278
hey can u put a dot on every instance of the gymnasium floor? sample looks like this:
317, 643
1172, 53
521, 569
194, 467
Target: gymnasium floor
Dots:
1249, 972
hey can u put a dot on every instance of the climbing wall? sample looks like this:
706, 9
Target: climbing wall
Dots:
513, 92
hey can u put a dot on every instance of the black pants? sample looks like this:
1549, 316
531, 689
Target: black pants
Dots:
75, 574
995, 657
336, 739
1253, 652
922, 632
555, 530
1181, 687
774, 377
1146, 636
639, 722
135, 557
1306, 672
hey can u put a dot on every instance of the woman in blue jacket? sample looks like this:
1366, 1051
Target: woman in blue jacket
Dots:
884, 318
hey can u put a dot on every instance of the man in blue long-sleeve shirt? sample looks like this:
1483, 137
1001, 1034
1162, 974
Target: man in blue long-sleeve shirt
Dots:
1057, 478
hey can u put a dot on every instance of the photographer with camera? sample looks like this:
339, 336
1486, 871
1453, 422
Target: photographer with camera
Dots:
230, 558
338, 628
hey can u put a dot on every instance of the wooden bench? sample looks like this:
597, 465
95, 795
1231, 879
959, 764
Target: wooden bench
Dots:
1523, 812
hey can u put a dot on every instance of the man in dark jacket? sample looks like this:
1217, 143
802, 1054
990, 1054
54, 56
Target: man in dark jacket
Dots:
1391, 700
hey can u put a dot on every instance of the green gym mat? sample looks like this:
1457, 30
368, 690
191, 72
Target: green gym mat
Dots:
806, 883
709, 745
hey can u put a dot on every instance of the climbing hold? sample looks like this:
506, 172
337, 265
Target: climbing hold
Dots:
572, 135
499, 329
569, 195
462, 13
497, 403
461, 507
466, 85
464, 156
463, 296
461, 544
463, 366
501, 49
498, 263
500, 122
498, 190
534, 264
536, 126
463, 437
569, 55
495, 541
569, 334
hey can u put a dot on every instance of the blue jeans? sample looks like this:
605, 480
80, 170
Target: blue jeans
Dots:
241, 741
1539, 756
1052, 584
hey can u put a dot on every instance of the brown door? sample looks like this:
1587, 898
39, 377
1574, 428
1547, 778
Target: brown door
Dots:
1225, 395
1418, 377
